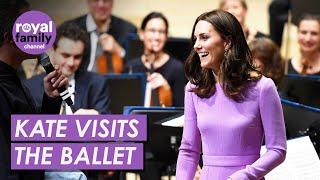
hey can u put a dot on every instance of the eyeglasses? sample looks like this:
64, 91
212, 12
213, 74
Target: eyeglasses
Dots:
154, 31
104, 1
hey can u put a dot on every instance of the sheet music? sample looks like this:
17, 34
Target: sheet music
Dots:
302, 162
176, 122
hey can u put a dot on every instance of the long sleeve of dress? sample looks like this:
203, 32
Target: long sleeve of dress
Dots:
274, 131
190, 148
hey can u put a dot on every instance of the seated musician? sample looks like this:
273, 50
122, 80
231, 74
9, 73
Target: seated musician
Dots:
89, 90
165, 73
107, 34
308, 63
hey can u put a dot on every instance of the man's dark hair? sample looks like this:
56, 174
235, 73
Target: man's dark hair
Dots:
71, 31
9, 12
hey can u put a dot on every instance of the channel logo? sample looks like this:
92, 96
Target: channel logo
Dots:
34, 32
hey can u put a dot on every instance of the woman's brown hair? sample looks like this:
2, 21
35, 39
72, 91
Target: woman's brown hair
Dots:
236, 67
268, 53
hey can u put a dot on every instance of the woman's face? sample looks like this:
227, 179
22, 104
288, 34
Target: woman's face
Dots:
235, 8
154, 35
309, 36
100, 9
209, 45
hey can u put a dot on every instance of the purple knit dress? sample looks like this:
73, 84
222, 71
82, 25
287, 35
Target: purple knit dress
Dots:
231, 134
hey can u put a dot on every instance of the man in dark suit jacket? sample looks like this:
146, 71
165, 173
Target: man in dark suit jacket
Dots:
90, 90
107, 33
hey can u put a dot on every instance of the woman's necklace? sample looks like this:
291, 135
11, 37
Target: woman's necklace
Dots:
307, 67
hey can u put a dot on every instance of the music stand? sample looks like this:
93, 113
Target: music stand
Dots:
175, 47
302, 120
301, 89
298, 117
163, 141
126, 90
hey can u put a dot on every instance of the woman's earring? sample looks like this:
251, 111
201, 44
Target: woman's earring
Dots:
225, 52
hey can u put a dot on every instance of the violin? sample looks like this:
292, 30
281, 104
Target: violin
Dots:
165, 96
162, 95
109, 63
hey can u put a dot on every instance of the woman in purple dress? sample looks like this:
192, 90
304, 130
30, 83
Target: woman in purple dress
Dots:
230, 108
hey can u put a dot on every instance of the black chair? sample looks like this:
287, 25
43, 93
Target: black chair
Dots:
302, 120
126, 90
301, 89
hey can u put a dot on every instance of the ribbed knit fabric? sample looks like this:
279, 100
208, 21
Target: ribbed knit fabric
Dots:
231, 134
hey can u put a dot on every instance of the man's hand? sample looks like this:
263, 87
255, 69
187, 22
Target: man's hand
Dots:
53, 81
109, 44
